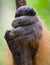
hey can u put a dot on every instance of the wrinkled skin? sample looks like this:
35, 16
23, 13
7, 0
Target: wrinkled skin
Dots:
25, 39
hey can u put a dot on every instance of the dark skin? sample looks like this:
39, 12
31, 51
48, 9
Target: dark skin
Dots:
23, 39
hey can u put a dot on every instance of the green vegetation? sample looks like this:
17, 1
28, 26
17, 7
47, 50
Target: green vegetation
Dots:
7, 10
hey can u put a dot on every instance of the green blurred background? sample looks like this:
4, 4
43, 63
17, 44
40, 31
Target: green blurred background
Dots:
7, 13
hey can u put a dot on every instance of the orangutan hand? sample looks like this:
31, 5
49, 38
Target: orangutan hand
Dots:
24, 37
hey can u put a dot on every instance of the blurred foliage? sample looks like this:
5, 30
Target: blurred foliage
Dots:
7, 12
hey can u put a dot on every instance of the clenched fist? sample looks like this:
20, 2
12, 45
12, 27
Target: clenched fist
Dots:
23, 39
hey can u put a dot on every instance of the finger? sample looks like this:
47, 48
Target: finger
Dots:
22, 31
20, 51
17, 32
14, 44
23, 40
23, 21
25, 10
